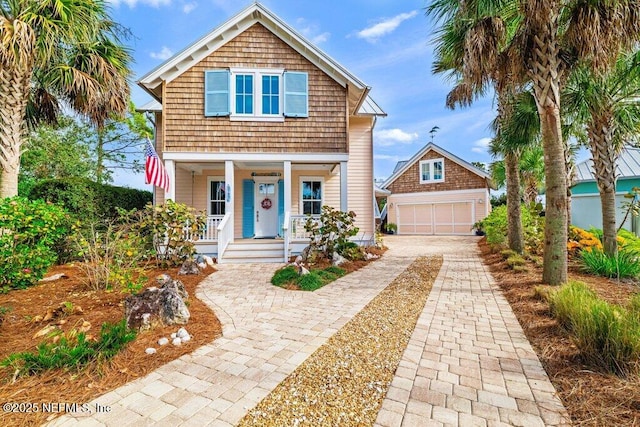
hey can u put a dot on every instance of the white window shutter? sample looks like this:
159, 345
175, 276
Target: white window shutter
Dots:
296, 94
216, 93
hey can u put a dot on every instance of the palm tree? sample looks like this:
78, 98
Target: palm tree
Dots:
470, 48
530, 171
550, 38
607, 104
53, 52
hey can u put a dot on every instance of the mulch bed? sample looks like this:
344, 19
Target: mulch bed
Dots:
18, 329
592, 397
345, 380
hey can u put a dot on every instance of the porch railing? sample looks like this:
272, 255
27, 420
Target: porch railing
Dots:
210, 232
296, 228
225, 235
287, 236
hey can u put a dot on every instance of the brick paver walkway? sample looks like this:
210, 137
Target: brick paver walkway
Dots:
467, 362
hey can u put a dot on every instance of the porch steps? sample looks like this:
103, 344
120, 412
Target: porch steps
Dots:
254, 251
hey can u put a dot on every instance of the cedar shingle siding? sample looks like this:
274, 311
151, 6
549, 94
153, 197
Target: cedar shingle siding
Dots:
187, 129
456, 177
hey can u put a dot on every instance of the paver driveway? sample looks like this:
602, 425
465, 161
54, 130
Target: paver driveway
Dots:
467, 362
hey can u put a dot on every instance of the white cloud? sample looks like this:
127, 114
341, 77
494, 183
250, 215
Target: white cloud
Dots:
188, 7
374, 32
481, 146
164, 54
389, 137
133, 3
312, 31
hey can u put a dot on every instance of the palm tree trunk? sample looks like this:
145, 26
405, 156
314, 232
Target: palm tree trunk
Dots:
14, 90
514, 223
545, 72
604, 157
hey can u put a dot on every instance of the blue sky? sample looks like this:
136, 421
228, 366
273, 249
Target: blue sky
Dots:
386, 43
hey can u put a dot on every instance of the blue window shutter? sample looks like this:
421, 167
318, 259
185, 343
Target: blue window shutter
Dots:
296, 94
216, 93
280, 206
247, 208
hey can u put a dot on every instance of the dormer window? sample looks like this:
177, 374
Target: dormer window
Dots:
256, 94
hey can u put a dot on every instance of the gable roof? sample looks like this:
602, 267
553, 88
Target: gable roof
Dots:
402, 166
627, 166
357, 91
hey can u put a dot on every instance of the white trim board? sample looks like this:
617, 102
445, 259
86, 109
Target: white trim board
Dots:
256, 157
440, 193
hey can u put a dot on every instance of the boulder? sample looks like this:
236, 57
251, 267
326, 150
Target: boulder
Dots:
157, 305
305, 254
338, 259
166, 282
303, 271
189, 267
208, 260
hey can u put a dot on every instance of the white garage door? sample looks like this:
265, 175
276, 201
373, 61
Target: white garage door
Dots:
435, 218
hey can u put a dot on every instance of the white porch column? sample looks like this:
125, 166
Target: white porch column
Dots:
229, 190
344, 204
170, 167
287, 185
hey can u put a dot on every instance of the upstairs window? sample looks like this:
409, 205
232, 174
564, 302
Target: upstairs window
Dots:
256, 94
431, 171
244, 93
270, 94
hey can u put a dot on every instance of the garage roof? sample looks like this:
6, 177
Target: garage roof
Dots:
402, 166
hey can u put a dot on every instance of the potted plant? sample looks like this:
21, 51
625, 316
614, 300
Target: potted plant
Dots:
391, 228
478, 228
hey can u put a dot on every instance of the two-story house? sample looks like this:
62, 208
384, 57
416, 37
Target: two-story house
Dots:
259, 128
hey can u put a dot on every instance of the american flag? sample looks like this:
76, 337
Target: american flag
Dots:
154, 169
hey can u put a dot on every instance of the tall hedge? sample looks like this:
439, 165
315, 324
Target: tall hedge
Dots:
89, 200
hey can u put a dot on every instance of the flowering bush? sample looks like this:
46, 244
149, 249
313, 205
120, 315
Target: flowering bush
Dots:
28, 232
580, 240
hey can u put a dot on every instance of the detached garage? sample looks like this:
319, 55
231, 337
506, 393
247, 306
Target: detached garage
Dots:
436, 192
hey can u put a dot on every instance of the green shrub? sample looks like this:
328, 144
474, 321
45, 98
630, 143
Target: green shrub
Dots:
332, 232
112, 258
516, 261
606, 335
506, 253
169, 230
351, 251
336, 270
88, 200
624, 264
28, 233
629, 242
284, 276
495, 227
73, 352
311, 281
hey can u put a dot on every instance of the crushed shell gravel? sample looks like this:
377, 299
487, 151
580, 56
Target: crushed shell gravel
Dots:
344, 382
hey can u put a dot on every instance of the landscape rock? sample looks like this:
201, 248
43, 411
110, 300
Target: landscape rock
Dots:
303, 271
186, 338
338, 259
176, 341
298, 260
189, 267
369, 256
305, 254
157, 305
163, 341
208, 260
54, 277
150, 350
182, 332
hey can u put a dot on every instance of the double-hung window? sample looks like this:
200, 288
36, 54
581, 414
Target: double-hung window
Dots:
256, 94
431, 171
311, 197
217, 195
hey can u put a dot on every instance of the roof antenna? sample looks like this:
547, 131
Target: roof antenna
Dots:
433, 132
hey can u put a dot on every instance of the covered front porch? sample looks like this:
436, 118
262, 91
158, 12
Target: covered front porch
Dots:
257, 206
